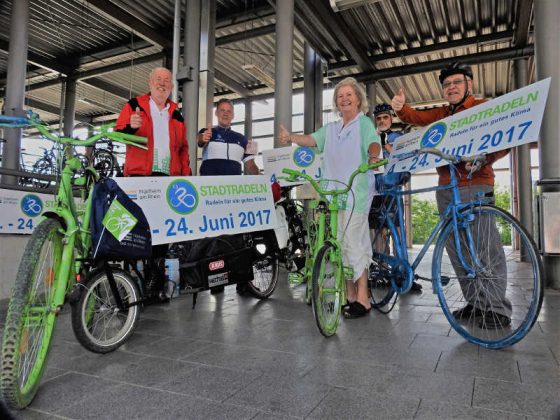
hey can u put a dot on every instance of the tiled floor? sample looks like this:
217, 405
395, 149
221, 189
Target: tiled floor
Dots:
240, 358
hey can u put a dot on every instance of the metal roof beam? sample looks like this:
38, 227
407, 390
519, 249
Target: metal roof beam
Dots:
249, 34
80, 75
109, 87
52, 109
232, 84
332, 24
36, 59
503, 36
121, 18
243, 16
478, 58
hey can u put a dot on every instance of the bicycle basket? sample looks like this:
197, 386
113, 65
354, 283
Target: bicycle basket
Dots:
119, 228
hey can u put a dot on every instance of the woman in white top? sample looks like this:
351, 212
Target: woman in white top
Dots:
345, 145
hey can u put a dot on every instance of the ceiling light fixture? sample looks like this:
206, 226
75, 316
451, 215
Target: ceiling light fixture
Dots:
259, 74
339, 5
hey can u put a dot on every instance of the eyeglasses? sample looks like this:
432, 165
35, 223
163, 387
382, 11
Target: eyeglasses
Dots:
447, 85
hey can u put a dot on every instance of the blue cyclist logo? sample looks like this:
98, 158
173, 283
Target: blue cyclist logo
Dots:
31, 205
182, 196
304, 156
434, 135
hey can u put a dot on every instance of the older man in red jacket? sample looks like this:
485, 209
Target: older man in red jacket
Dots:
494, 309
156, 117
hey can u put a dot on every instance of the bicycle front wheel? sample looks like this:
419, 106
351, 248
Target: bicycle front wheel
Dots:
504, 297
104, 163
98, 322
327, 289
31, 316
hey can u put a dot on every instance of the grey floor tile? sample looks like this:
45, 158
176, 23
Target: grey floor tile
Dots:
213, 383
66, 390
513, 397
289, 395
37, 415
150, 404
464, 363
169, 347
432, 410
345, 403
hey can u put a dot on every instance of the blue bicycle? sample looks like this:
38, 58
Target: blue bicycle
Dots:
491, 294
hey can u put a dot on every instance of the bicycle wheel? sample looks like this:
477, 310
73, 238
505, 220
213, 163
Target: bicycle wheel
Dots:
31, 316
104, 163
42, 167
383, 295
265, 270
328, 288
297, 244
98, 323
506, 292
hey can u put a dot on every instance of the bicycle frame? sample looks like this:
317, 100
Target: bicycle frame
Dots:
453, 212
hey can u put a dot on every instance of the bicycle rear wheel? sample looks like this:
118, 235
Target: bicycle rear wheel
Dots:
31, 316
507, 291
265, 269
98, 323
327, 289
383, 295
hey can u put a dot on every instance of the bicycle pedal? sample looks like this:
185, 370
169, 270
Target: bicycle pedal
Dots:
295, 278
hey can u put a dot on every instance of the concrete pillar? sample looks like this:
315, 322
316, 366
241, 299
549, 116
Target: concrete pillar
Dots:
15, 84
189, 75
547, 34
284, 65
69, 106
312, 90
523, 162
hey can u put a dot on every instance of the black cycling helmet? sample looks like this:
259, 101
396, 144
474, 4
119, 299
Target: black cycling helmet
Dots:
455, 68
383, 109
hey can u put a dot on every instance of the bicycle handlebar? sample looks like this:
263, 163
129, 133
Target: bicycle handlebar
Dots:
32, 120
294, 175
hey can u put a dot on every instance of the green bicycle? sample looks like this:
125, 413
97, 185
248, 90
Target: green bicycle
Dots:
56, 267
328, 274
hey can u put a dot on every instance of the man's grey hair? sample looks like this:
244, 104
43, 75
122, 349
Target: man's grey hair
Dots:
155, 70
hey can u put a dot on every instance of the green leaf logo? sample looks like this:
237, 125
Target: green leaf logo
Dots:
118, 220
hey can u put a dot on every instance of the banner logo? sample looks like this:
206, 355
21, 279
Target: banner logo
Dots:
434, 135
118, 220
304, 156
182, 196
216, 265
31, 205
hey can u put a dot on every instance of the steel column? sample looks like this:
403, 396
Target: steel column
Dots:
523, 162
547, 34
206, 75
371, 91
15, 85
248, 118
312, 90
190, 86
69, 106
176, 48
284, 66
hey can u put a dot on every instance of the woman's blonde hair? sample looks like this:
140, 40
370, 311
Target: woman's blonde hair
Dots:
358, 90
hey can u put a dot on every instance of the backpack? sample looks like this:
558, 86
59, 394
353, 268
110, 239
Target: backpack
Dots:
119, 228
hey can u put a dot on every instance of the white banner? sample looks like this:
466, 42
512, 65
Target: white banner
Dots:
304, 159
186, 208
20, 210
508, 121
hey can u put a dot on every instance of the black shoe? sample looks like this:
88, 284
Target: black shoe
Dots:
416, 287
217, 290
494, 321
467, 312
